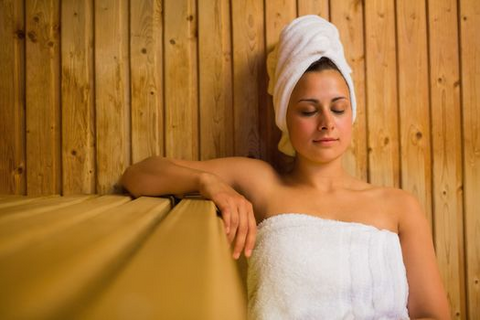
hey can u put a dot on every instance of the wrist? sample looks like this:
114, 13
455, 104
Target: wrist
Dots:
204, 179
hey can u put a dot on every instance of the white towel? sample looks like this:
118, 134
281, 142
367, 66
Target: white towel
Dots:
302, 42
305, 267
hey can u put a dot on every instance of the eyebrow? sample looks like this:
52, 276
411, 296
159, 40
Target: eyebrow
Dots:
317, 102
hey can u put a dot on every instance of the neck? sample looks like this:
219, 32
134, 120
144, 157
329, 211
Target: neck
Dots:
324, 177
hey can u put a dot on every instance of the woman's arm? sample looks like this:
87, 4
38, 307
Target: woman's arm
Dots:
220, 180
427, 298
157, 176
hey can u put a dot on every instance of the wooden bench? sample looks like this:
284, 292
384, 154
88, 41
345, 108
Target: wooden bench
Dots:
111, 257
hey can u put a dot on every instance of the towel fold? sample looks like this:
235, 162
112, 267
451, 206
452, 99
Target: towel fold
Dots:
305, 267
302, 42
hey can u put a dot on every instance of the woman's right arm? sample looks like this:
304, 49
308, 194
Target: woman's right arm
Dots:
217, 180
156, 176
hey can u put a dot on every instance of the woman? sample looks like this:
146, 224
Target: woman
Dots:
329, 245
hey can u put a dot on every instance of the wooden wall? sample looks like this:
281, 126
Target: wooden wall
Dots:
89, 87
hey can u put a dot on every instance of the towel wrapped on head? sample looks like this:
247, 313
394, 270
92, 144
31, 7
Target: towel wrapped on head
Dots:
301, 43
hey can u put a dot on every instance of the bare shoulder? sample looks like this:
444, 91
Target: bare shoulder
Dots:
397, 200
400, 207
406, 207
247, 175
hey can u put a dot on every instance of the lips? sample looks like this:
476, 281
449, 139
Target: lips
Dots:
325, 140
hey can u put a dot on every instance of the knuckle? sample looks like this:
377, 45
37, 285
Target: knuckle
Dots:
242, 229
240, 243
234, 221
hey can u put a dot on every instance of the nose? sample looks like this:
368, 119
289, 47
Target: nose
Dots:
325, 121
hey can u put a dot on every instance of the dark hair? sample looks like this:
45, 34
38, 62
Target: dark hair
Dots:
323, 63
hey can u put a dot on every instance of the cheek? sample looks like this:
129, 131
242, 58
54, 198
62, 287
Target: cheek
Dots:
345, 127
301, 126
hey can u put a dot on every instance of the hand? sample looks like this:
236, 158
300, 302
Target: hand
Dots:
236, 211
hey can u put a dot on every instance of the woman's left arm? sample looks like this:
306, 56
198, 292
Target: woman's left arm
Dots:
427, 298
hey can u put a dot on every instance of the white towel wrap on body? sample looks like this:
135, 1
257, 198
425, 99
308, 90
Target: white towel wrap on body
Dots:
305, 267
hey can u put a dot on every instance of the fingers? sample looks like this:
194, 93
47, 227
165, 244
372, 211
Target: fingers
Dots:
226, 216
246, 232
252, 234
241, 231
240, 224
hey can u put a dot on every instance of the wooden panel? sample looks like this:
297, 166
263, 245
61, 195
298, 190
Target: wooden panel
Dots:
446, 142
278, 14
249, 75
20, 233
43, 97
37, 206
181, 100
111, 91
11, 201
382, 110
183, 271
78, 123
348, 17
413, 94
215, 80
146, 67
54, 277
12, 103
318, 7
470, 55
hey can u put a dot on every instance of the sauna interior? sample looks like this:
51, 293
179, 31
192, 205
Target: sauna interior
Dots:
89, 87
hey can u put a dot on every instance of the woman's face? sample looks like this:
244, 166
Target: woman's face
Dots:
319, 116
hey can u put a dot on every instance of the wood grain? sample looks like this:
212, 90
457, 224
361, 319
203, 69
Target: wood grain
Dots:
317, 7
278, 14
176, 276
181, 84
249, 76
78, 105
470, 62
43, 97
446, 143
348, 18
413, 93
53, 278
382, 106
146, 68
215, 80
112, 101
12, 98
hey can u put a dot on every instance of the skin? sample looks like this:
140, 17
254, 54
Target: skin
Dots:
318, 185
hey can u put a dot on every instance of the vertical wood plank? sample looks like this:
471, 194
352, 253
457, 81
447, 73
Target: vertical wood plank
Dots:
78, 122
413, 94
111, 92
249, 75
318, 7
181, 85
382, 110
348, 17
146, 67
215, 80
12, 98
43, 97
446, 142
278, 14
470, 57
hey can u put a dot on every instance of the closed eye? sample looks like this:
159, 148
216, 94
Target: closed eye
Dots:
338, 111
308, 113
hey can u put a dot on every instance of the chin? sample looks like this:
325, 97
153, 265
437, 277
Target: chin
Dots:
322, 158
